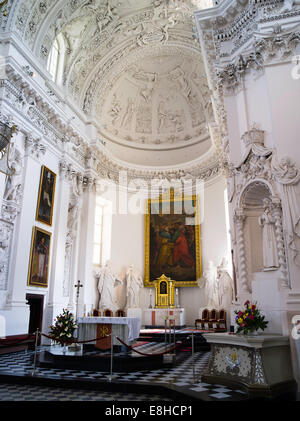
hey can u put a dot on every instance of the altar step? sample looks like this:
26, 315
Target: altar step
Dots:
181, 335
95, 360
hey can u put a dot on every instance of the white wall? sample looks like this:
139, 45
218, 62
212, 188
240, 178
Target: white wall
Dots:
127, 247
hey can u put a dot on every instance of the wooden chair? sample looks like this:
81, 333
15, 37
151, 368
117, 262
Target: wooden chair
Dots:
108, 313
222, 320
120, 313
204, 319
213, 319
96, 313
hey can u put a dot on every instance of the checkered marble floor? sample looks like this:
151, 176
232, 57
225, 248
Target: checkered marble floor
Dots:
181, 377
16, 392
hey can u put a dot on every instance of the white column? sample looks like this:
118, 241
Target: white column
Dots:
56, 300
88, 294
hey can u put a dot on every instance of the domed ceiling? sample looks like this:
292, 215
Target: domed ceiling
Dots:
134, 68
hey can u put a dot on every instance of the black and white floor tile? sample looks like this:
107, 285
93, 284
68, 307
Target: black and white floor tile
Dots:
183, 377
19, 393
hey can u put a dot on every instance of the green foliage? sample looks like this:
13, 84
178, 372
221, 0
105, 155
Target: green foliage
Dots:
63, 329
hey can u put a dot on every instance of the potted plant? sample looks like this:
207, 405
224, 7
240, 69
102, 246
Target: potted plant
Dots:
63, 329
250, 320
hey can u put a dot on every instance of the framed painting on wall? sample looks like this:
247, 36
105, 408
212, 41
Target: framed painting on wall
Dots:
172, 240
44, 211
39, 258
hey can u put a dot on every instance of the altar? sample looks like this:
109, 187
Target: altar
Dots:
126, 328
156, 317
261, 364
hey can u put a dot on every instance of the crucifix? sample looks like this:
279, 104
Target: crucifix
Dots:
77, 286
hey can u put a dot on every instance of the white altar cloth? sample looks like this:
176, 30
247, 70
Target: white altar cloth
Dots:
127, 328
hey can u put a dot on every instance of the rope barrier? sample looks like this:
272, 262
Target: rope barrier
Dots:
75, 341
7, 342
157, 354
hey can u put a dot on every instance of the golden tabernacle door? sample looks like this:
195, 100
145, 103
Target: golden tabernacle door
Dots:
164, 292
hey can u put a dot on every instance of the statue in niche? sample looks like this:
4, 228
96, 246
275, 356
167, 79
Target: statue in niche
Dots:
107, 281
267, 222
225, 285
134, 282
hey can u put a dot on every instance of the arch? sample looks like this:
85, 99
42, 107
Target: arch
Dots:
263, 186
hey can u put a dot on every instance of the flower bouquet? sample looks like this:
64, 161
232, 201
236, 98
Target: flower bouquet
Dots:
250, 320
63, 329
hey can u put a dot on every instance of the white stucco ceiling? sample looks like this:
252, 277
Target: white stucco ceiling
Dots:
134, 68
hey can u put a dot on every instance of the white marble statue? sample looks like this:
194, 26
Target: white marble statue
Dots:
134, 283
211, 286
288, 5
225, 285
266, 221
14, 181
107, 281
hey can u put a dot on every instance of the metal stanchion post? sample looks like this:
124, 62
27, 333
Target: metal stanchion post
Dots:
166, 333
193, 358
174, 337
111, 377
35, 352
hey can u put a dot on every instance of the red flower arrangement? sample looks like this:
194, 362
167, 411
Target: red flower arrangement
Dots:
250, 320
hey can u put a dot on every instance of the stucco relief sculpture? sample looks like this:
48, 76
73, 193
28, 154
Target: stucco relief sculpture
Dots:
14, 182
267, 222
134, 282
288, 5
107, 280
288, 176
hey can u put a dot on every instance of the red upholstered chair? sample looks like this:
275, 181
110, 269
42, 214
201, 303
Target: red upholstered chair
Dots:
120, 313
96, 313
204, 321
213, 318
222, 320
108, 313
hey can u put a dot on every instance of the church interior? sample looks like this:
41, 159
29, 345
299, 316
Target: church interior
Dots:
149, 200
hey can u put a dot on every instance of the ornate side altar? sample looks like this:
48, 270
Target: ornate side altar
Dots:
261, 364
126, 328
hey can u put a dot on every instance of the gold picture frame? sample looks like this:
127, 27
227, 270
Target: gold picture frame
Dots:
45, 204
186, 267
38, 271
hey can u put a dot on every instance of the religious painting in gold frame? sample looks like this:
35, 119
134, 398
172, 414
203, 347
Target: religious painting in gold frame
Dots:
45, 205
172, 240
39, 258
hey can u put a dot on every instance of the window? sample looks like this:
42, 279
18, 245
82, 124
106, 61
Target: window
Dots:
102, 232
53, 60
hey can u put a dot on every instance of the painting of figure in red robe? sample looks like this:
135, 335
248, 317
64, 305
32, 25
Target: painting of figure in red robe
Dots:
174, 244
39, 258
